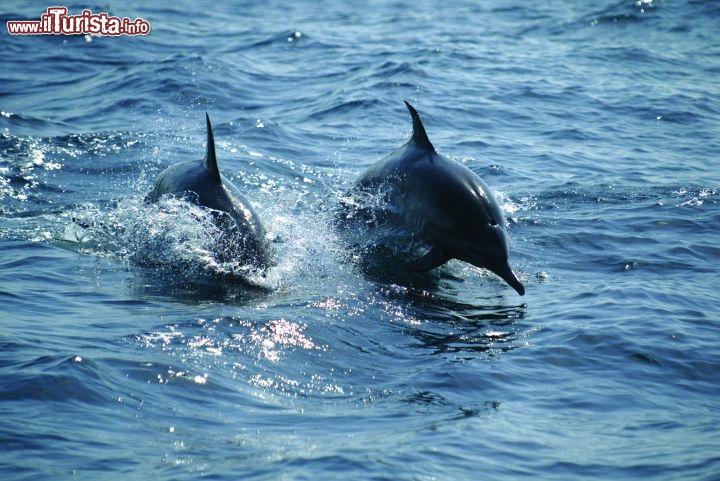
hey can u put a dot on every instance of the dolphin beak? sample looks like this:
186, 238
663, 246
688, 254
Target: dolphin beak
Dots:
496, 265
502, 269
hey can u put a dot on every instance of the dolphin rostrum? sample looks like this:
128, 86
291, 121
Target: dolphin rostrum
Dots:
438, 201
200, 181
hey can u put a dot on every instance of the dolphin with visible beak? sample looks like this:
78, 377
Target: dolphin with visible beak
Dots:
440, 202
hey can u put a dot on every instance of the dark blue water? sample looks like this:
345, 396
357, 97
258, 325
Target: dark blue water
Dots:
596, 124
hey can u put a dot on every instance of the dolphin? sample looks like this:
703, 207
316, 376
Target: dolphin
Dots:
438, 201
200, 182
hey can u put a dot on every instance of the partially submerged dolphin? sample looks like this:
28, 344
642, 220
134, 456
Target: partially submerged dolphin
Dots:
439, 201
200, 181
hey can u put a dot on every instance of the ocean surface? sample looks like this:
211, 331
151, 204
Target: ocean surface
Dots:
595, 123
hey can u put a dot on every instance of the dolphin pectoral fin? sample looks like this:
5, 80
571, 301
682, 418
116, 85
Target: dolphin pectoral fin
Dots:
210, 159
431, 260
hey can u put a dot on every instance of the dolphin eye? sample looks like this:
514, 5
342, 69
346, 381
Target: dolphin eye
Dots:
493, 221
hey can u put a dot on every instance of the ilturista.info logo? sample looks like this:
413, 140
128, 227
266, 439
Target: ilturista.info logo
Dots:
56, 21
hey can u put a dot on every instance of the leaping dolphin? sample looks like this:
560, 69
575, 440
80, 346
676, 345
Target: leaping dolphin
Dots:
200, 181
441, 202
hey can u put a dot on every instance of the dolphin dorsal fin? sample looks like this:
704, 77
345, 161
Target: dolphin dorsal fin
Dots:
419, 137
210, 159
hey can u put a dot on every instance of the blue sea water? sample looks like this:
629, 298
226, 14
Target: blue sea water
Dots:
596, 124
